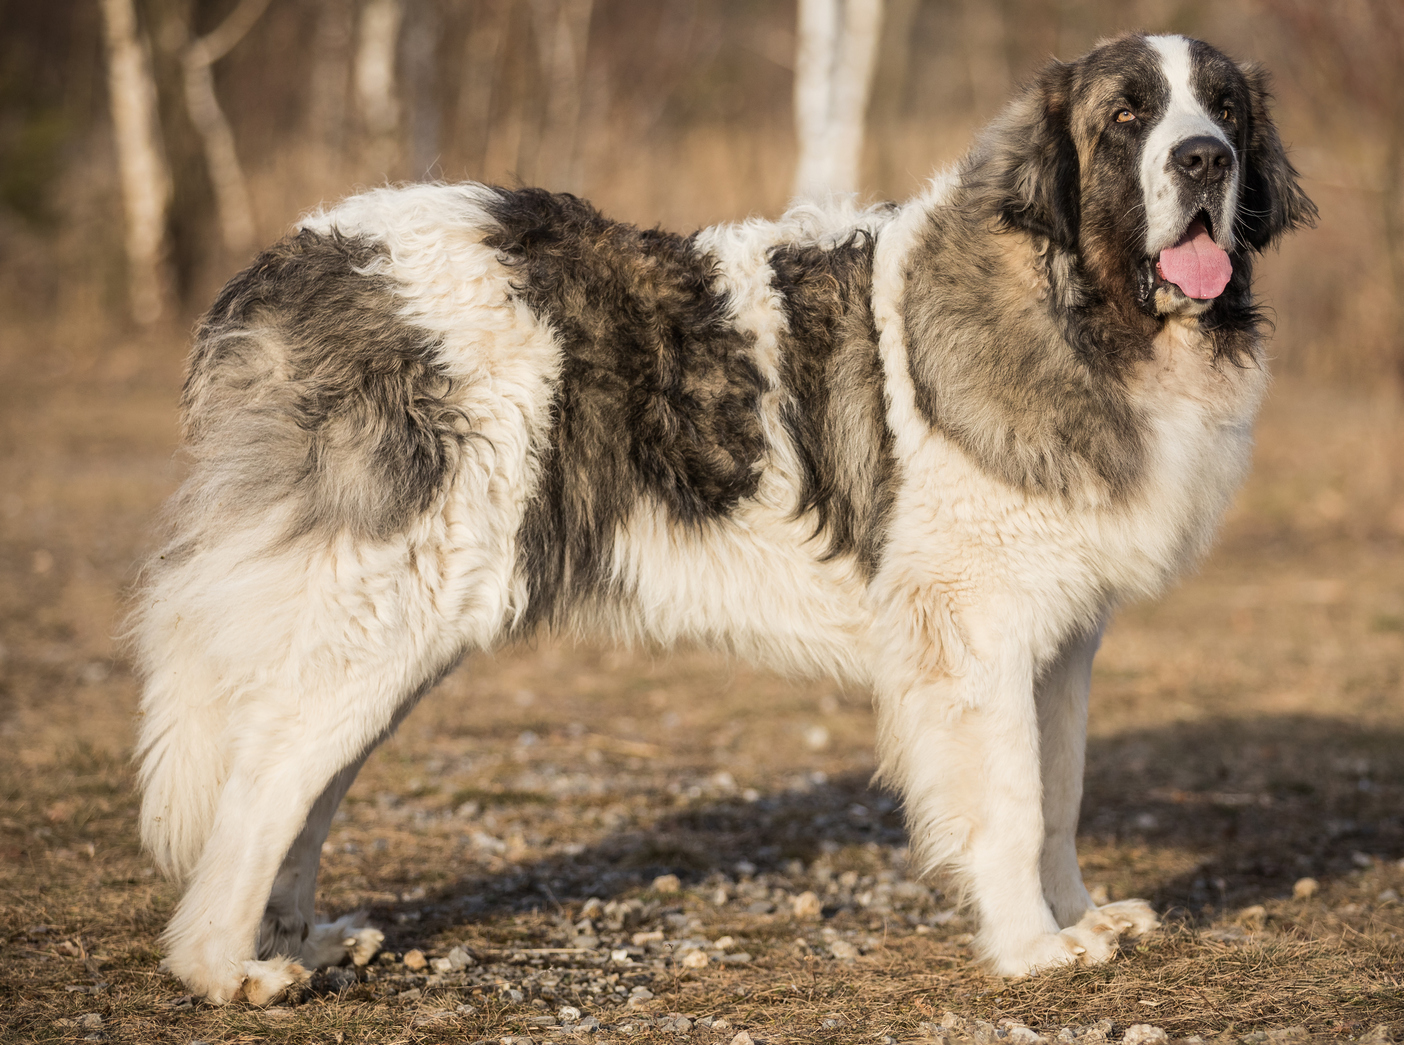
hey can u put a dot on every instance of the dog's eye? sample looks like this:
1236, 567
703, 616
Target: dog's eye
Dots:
1226, 114
1125, 116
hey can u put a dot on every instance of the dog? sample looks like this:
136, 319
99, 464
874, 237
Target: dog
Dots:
925, 448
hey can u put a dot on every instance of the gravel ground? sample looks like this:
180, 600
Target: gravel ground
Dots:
567, 842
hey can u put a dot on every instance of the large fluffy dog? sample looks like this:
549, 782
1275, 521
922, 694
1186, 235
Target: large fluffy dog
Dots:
927, 448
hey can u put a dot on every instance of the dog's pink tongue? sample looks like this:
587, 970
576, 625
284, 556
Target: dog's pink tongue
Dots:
1197, 265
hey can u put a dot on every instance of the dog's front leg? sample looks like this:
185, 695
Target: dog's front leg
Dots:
961, 739
1061, 694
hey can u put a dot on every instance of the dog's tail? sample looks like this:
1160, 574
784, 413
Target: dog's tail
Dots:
183, 768
182, 746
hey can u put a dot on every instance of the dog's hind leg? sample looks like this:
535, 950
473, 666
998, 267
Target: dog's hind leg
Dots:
291, 751
289, 924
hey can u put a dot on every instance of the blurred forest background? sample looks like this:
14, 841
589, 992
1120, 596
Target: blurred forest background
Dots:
1246, 732
676, 112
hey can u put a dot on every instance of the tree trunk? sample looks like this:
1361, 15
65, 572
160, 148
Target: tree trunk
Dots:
231, 191
141, 162
419, 47
563, 33
833, 77
483, 68
1392, 206
330, 80
986, 56
379, 32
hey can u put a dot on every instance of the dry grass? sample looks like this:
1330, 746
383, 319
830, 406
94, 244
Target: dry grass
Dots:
1246, 733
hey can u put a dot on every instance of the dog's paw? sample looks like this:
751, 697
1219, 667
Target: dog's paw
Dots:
1046, 951
331, 943
1094, 939
1135, 916
266, 981
1097, 935
363, 944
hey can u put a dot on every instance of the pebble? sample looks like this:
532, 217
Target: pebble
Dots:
741, 1038
695, 960
807, 905
1252, 917
1144, 1034
1305, 888
1017, 1032
459, 958
339, 977
415, 961
667, 883
843, 950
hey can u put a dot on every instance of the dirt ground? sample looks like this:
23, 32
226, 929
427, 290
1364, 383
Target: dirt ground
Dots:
1247, 733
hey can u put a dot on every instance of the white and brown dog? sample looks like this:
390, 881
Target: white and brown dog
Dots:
925, 448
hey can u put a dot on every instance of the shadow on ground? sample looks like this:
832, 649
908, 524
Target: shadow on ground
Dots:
1256, 805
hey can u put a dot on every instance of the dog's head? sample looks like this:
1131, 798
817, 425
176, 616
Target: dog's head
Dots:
1154, 162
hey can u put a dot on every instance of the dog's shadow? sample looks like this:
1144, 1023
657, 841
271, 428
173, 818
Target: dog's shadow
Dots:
1256, 804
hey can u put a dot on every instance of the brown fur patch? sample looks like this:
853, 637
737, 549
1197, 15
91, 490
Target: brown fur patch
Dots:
306, 388
658, 396
836, 412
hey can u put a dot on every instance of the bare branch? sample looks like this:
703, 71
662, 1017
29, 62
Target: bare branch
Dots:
219, 41
236, 220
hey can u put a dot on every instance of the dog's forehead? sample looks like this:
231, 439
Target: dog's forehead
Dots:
1145, 70
1214, 76
1128, 66
1147, 73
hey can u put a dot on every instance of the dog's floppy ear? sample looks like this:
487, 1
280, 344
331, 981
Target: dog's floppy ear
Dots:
1029, 163
1272, 202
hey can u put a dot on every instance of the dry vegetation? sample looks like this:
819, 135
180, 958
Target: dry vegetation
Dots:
1247, 732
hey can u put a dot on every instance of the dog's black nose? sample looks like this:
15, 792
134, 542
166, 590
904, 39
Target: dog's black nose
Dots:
1203, 158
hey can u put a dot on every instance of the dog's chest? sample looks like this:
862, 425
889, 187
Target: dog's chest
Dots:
1084, 546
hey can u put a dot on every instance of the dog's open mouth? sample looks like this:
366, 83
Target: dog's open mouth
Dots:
1196, 264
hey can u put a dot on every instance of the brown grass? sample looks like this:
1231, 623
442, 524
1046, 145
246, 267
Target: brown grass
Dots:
1247, 731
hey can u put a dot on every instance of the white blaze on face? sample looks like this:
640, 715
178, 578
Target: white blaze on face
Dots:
1170, 203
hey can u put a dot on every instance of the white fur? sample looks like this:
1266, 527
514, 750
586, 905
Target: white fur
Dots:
1185, 117
273, 668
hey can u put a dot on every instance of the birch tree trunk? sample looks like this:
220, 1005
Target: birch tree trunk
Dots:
231, 191
141, 162
833, 77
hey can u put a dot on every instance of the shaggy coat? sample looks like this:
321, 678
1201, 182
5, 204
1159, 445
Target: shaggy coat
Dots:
925, 448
